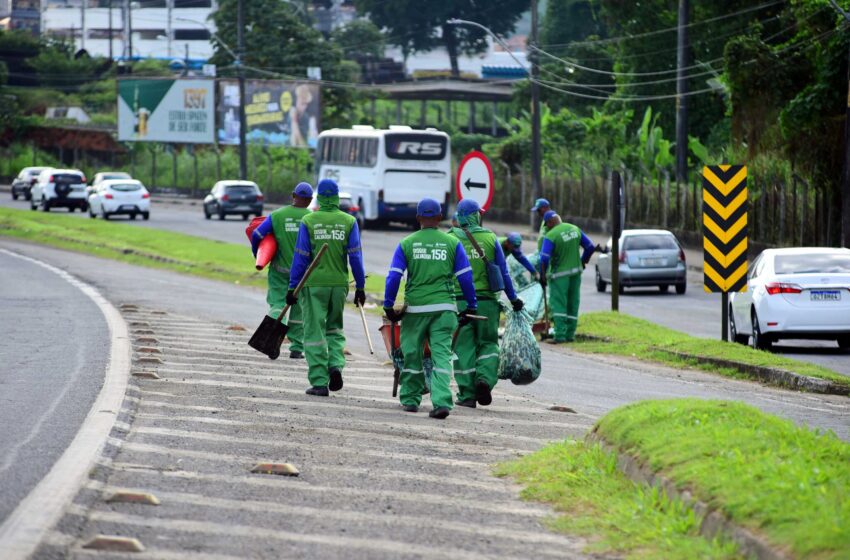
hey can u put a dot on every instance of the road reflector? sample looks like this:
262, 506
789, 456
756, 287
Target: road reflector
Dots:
147, 340
149, 360
124, 497
148, 350
239, 328
283, 469
128, 307
559, 408
159, 313
146, 374
143, 331
139, 324
115, 544
725, 229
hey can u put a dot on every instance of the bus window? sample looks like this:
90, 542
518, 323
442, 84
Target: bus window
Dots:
361, 152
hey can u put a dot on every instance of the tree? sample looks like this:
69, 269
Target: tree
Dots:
360, 38
417, 26
58, 67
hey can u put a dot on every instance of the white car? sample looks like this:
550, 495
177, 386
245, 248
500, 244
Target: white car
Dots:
56, 188
120, 196
106, 176
794, 293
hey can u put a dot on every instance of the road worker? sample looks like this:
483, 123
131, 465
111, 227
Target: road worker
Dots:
541, 206
324, 294
284, 224
432, 259
561, 267
477, 348
511, 244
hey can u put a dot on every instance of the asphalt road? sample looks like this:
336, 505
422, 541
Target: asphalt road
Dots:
54, 345
696, 313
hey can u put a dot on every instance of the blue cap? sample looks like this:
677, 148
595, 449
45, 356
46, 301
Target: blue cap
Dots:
467, 207
540, 203
515, 239
428, 208
304, 190
328, 187
549, 215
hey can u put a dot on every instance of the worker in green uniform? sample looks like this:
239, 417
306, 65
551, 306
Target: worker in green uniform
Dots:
511, 246
432, 259
541, 206
284, 224
325, 291
561, 266
477, 348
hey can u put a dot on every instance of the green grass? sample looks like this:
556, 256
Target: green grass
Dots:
597, 501
790, 484
629, 336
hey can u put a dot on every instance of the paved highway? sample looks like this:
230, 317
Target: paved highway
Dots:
55, 346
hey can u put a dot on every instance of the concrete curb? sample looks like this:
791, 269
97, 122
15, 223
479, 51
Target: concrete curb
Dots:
714, 522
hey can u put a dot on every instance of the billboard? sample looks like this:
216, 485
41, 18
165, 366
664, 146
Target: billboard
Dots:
166, 110
277, 113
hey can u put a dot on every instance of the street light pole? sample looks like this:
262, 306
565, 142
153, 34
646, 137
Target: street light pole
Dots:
240, 51
536, 182
681, 95
845, 175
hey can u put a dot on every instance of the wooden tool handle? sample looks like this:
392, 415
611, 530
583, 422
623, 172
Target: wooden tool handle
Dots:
304, 278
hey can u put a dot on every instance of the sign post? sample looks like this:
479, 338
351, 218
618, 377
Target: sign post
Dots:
617, 214
475, 179
725, 236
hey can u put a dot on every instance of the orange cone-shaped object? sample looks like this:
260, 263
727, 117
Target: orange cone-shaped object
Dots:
266, 251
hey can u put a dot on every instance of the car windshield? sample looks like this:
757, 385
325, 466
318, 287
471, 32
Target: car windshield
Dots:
647, 242
107, 176
126, 187
67, 179
241, 190
812, 263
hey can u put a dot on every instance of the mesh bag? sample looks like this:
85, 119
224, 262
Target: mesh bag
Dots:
519, 355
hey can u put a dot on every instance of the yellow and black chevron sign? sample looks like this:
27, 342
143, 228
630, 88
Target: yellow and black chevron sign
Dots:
724, 220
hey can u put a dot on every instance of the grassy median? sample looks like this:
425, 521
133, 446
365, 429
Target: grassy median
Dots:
787, 483
624, 335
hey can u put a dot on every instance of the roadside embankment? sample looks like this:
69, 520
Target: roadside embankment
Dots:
684, 478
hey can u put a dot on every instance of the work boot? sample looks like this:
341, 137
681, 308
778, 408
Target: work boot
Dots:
482, 392
439, 413
410, 408
296, 355
553, 341
318, 391
336, 379
470, 403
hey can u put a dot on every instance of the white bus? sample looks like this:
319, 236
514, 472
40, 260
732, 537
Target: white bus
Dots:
387, 172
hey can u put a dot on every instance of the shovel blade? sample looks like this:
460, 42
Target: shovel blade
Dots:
268, 337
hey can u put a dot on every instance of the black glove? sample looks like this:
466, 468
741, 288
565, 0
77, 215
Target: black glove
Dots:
359, 297
517, 304
290, 298
600, 249
463, 317
392, 314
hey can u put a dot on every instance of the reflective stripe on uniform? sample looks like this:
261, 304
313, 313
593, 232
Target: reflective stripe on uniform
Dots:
317, 343
302, 252
334, 331
412, 371
290, 322
566, 272
486, 356
572, 317
354, 250
281, 269
431, 308
443, 371
463, 270
465, 371
545, 255
560, 315
394, 269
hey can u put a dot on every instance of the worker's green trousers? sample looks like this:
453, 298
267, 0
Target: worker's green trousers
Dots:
437, 328
276, 298
324, 339
477, 350
564, 296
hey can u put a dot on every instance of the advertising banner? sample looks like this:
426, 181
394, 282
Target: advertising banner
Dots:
165, 110
277, 113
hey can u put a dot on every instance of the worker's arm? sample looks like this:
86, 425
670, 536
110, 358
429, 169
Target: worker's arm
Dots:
503, 268
523, 260
302, 257
397, 268
260, 232
463, 271
588, 247
546, 253
355, 258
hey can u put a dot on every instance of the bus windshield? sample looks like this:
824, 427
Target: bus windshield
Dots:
401, 145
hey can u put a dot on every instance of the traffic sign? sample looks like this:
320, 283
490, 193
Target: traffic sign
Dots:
724, 219
475, 179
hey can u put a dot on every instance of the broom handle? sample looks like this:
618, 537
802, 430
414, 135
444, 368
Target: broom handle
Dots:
304, 278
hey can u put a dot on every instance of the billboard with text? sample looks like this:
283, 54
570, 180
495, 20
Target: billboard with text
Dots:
166, 110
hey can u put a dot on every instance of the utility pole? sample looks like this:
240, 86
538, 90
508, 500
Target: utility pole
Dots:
111, 58
681, 95
128, 11
845, 175
240, 52
83, 25
169, 31
536, 183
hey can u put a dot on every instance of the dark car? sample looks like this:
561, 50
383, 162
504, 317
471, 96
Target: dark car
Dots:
234, 197
23, 183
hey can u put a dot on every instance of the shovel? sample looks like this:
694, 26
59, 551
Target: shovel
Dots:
269, 335
366, 328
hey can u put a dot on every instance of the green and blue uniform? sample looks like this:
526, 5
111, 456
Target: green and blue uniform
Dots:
519, 256
433, 260
564, 265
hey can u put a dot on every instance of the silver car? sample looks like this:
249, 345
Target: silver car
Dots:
648, 257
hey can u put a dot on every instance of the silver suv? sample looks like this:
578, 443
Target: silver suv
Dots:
65, 188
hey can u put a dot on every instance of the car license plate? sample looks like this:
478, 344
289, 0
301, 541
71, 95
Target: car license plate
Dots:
652, 262
128, 207
825, 295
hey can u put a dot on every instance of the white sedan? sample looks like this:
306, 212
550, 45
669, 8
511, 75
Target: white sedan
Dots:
120, 196
794, 293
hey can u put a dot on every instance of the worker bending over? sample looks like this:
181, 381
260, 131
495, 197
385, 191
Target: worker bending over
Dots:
561, 267
325, 291
431, 258
284, 224
477, 348
511, 244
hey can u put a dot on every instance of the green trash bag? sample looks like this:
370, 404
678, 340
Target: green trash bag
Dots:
519, 355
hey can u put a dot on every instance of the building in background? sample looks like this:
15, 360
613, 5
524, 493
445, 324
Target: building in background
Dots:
20, 14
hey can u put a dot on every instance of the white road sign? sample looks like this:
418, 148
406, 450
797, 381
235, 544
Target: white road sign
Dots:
475, 179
